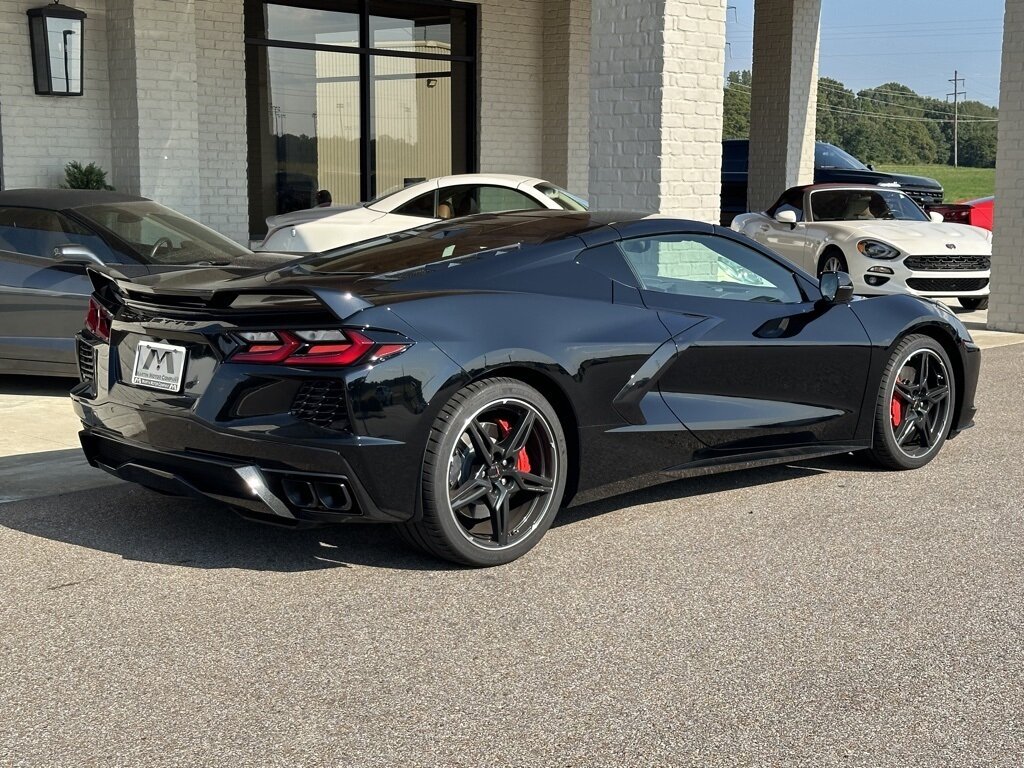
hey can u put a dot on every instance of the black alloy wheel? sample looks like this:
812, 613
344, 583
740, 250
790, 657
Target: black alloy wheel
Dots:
915, 404
972, 303
493, 475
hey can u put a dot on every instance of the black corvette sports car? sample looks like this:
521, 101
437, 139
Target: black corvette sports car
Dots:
467, 379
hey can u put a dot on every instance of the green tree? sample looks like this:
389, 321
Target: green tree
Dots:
736, 106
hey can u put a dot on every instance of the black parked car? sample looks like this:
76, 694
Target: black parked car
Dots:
466, 379
48, 237
831, 164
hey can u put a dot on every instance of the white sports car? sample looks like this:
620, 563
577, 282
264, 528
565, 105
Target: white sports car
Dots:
880, 237
320, 229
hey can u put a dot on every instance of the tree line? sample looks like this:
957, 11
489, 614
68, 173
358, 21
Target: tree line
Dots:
886, 124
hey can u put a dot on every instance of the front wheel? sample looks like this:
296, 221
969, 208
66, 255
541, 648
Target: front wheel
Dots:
971, 303
493, 475
915, 404
832, 260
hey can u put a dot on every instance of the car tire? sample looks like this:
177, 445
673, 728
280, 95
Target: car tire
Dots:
837, 259
972, 303
913, 414
499, 441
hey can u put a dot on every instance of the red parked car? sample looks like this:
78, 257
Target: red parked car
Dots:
977, 213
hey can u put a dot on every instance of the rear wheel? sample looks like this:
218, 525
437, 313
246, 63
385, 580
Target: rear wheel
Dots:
915, 404
971, 303
493, 475
832, 260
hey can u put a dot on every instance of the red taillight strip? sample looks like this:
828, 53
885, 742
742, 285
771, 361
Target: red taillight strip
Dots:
269, 353
98, 319
292, 350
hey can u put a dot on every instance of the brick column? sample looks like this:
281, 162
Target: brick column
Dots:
784, 98
1006, 305
566, 128
154, 100
656, 106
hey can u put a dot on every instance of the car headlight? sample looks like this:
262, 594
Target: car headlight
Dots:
875, 249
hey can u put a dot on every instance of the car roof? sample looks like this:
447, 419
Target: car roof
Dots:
63, 199
841, 185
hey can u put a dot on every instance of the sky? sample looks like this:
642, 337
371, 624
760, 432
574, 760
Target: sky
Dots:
919, 43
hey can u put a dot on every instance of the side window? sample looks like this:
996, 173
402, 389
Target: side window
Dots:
465, 200
709, 266
497, 199
37, 232
422, 206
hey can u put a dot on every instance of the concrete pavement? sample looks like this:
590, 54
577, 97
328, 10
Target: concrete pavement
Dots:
816, 614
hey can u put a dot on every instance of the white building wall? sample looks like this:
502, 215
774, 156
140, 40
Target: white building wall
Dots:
784, 98
1006, 305
511, 86
220, 59
43, 133
656, 106
566, 119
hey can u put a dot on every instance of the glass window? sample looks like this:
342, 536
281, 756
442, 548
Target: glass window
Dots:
159, 235
564, 199
326, 114
863, 204
419, 27
467, 199
710, 267
422, 206
412, 120
829, 156
338, 26
793, 200
37, 232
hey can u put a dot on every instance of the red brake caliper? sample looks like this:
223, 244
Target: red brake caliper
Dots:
522, 460
897, 411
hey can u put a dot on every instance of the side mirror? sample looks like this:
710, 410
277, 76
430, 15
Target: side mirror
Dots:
785, 217
836, 287
75, 254
871, 166
936, 217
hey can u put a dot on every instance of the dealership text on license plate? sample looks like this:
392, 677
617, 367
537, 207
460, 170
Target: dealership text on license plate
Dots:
158, 366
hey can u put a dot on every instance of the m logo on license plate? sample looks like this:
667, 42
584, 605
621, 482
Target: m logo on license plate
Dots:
158, 366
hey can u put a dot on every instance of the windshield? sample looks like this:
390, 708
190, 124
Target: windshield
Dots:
564, 198
863, 204
828, 156
158, 235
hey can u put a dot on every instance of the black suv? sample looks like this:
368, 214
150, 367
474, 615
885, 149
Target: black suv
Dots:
831, 164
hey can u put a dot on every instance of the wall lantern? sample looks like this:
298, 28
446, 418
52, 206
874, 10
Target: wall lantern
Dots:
56, 34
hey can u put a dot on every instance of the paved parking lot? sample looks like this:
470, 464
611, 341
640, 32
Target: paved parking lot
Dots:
817, 614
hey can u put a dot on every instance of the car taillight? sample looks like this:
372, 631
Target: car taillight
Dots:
97, 319
312, 348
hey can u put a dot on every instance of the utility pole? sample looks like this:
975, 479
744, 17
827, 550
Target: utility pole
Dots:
956, 94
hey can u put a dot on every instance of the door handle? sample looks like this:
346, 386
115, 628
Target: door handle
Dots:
765, 228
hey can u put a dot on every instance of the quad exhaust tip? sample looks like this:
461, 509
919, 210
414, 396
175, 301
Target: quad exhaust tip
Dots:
317, 495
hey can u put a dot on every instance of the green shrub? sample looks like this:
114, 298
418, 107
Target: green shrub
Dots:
78, 176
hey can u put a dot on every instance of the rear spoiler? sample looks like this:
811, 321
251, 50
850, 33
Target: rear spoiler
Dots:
114, 291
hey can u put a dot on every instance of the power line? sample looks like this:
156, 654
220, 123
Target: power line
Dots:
884, 115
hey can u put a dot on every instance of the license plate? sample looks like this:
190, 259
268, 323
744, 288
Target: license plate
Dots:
158, 366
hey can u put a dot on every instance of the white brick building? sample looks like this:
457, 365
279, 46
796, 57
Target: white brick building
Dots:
231, 110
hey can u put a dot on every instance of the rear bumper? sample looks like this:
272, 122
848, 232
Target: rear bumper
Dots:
283, 496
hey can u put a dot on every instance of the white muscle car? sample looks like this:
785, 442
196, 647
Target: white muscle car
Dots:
320, 229
881, 237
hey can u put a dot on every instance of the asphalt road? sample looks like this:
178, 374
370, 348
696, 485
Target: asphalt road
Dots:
820, 614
